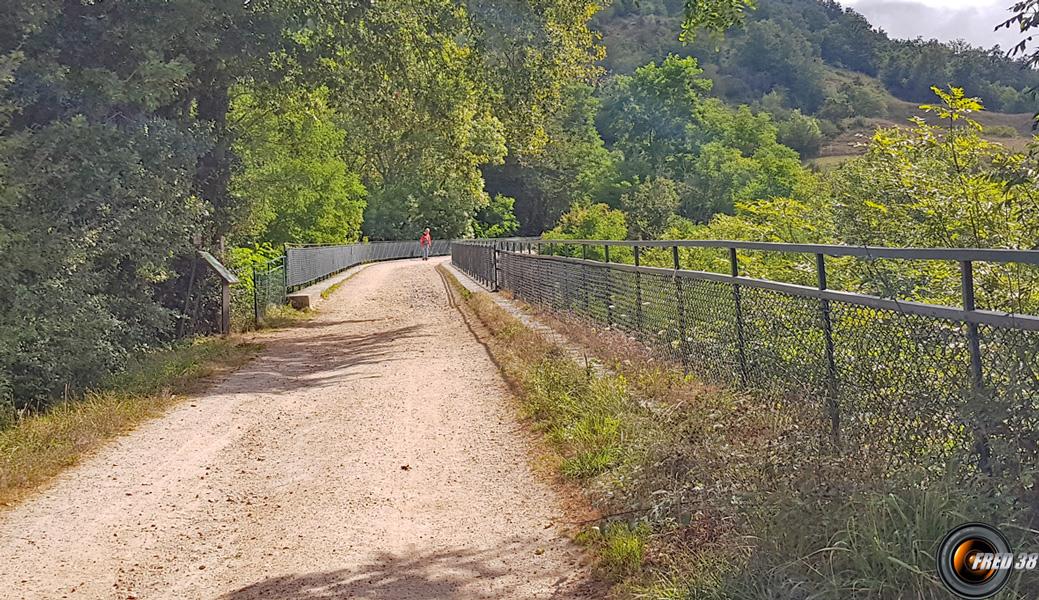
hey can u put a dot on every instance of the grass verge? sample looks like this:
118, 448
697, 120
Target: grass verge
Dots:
36, 448
325, 295
280, 317
709, 493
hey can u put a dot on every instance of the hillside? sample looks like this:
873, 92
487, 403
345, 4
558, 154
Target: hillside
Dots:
827, 62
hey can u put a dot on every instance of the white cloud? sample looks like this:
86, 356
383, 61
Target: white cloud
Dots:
945, 20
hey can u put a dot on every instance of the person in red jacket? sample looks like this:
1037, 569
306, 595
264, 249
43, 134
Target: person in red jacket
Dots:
426, 241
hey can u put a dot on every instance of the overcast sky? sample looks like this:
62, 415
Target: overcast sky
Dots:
971, 20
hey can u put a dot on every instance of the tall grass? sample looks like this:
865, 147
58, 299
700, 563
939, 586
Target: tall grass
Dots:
34, 448
718, 494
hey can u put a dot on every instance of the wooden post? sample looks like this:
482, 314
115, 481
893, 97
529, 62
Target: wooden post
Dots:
227, 278
225, 307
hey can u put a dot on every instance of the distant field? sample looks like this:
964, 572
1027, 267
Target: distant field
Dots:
1016, 128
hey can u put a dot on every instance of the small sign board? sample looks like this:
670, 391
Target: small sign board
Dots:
221, 270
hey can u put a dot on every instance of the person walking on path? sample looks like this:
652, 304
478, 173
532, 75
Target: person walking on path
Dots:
426, 241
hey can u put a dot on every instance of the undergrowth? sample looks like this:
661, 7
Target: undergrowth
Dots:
36, 447
282, 316
713, 494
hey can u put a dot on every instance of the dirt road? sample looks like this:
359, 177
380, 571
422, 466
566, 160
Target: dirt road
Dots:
370, 453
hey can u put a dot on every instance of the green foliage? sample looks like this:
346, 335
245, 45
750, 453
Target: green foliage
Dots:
939, 186
802, 46
646, 116
800, 132
713, 15
718, 156
434, 92
113, 166
85, 242
775, 56
590, 222
573, 166
294, 176
650, 208
1025, 17
497, 219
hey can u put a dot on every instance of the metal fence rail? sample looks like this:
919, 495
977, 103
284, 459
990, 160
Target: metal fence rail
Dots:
307, 264
893, 376
478, 259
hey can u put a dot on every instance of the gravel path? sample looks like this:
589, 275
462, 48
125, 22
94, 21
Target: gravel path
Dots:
370, 453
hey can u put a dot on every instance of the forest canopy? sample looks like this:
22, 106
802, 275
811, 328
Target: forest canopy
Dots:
133, 135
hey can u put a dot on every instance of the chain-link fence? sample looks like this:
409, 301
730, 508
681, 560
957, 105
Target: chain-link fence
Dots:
919, 382
269, 288
307, 264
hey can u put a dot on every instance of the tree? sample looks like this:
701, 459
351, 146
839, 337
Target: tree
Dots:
713, 15
943, 186
497, 219
108, 157
531, 53
650, 207
1025, 18
646, 116
590, 222
801, 133
294, 176
573, 166
662, 125
775, 57
436, 92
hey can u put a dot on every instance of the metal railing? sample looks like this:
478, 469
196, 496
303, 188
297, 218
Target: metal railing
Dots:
478, 259
307, 264
894, 375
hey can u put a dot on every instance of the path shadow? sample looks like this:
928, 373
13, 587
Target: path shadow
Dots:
307, 357
452, 574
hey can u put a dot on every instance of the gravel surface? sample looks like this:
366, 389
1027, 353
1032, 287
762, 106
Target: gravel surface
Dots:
369, 453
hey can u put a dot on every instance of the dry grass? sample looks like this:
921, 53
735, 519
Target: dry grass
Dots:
38, 447
711, 493
281, 317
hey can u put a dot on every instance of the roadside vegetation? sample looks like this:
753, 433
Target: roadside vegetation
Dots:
240, 127
710, 493
36, 446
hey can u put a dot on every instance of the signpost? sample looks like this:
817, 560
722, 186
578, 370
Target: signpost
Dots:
227, 279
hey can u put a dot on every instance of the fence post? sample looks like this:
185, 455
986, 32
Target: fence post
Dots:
494, 265
609, 292
734, 268
973, 339
584, 279
638, 293
266, 297
683, 345
831, 363
981, 444
256, 300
